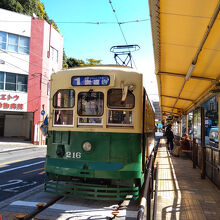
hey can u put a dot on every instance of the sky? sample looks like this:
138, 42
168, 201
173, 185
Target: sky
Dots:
90, 29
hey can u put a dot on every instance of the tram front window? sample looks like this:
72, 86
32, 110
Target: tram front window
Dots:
121, 116
90, 104
64, 98
115, 99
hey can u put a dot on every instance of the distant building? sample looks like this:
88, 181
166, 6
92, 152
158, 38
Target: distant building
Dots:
158, 116
30, 51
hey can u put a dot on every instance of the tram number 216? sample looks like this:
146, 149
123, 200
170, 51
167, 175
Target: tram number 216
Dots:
75, 155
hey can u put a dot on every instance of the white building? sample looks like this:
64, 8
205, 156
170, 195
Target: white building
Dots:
30, 51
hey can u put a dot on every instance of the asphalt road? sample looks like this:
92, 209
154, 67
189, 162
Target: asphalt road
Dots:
21, 170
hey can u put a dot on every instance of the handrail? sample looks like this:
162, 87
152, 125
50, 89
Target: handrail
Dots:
155, 194
148, 187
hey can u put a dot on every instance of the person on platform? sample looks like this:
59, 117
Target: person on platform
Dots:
170, 136
185, 142
184, 145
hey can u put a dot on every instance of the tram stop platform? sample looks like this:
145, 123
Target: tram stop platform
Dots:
182, 194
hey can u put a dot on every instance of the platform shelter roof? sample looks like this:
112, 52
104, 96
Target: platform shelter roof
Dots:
186, 41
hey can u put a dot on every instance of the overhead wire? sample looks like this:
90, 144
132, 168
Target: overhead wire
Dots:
86, 22
40, 57
90, 22
119, 24
4, 51
30, 52
33, 74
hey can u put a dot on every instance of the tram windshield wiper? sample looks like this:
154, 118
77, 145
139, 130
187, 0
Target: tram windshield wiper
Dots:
124, 93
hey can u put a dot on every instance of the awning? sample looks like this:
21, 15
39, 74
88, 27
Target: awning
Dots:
186, 41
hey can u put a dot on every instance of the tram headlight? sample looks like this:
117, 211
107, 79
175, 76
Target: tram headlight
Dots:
87, 146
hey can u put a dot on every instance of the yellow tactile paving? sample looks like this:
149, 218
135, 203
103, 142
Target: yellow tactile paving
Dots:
182, 194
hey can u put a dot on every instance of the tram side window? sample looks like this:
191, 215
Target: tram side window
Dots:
63, 117
64, 98
120, 117
90, 103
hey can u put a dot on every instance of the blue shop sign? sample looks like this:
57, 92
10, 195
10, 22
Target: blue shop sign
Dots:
42, 112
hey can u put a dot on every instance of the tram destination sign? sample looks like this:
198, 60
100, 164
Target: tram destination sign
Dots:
90, 80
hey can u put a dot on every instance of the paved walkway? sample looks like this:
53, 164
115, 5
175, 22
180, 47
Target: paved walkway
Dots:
182, 194
10, 144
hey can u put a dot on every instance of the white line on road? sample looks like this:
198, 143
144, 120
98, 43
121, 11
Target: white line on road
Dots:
11, 182
18, 187
16, 168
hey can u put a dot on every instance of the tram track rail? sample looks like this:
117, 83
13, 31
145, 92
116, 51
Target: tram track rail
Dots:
121, 206
40, 207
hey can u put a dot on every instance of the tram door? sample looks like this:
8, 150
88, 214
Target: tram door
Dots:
2, 125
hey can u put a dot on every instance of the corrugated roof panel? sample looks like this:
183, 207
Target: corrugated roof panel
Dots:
193, 88
168, 101
176, 59
170, 85
182, 104
189, 33
208, 64
182, 30
200, 8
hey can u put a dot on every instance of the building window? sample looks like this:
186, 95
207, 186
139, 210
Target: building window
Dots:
15, 43
3, 39
23, 46
10, 82
13, 82
22, 83
2, 80
54, 54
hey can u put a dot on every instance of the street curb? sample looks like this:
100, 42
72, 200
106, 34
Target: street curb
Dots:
17, 149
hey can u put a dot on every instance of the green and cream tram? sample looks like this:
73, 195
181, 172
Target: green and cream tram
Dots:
100, 133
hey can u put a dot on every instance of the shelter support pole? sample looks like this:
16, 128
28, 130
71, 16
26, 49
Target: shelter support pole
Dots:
194, 147
203, 164
218, 100
187, 124
180, 127
194, 153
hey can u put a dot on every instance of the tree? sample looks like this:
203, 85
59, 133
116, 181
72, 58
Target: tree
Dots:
73, 62
11, 5
91, 62
65, 65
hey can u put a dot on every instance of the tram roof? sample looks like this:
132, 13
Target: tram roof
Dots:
117, 68
186, 41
